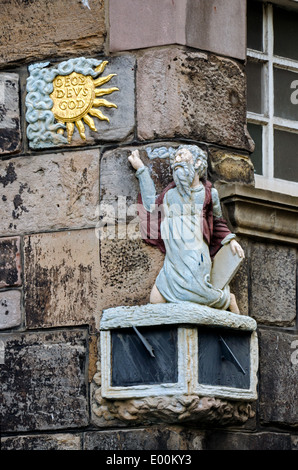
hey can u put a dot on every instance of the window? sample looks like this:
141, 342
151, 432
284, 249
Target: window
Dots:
272, 95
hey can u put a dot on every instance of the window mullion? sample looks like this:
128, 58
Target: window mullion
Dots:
268, 164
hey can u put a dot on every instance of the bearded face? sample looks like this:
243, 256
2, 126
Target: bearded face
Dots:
183, 174
184, 171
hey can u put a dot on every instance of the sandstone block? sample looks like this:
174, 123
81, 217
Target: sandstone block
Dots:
62, 280
10, 130
278, 395
43, 29
43, 381
197, 95
10, 262
229, 167
129, 268
49, 192
42, 442
151, 438
273, 284
10, 309
248, 441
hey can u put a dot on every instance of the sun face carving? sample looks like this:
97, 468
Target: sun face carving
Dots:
77, 96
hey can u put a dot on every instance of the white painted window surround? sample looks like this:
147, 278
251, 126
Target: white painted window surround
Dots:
266, 117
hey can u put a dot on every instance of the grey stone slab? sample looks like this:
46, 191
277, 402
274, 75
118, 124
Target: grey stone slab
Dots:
43, 381
278, 396
10, 131
273, 284
10, 309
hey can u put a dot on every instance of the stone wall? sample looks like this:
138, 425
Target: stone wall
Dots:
57, 275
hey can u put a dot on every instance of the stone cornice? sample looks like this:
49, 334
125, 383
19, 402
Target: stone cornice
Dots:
260, 214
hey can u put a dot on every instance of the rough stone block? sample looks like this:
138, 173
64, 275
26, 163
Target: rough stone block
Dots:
248, 441
62, 279
49, 192
273, 284
10, 262
278, 395
129, 268
42, 442
228, 167
197, 95
43, 381
47, 28
152, 438
10, 309
10, 131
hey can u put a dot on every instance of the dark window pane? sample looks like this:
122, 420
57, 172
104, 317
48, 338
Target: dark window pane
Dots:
285, 155
285, 94
133, 365
254, 75
255, 132
285, 33
254, 25
217, 366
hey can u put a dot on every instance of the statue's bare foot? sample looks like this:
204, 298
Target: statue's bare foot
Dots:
156, 297
233, 305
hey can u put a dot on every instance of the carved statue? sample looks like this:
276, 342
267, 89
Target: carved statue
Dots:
191, 231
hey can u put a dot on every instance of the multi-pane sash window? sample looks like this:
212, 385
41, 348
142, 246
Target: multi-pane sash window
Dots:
272, 95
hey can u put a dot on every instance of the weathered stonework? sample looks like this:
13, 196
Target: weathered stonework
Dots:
10, 309
197, 95
48, 371
247, 441
191, 409
278, 378
128, 269
10, 127
62, 279
273, 284
43, 29
42, 442
153, 438
10, 262
229, 167
49, 192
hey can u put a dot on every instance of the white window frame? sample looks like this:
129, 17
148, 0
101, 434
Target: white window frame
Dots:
268, 121
192, 315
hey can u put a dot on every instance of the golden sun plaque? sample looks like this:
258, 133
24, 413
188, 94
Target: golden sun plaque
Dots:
75, 98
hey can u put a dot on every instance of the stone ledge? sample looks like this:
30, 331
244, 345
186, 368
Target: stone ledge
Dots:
173, 313
260, 214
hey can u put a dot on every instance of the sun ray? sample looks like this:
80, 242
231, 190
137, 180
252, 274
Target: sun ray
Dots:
105, 91
100, 68
81, 129
105, 103
70, 129
98, 114
88, 120
101, 80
